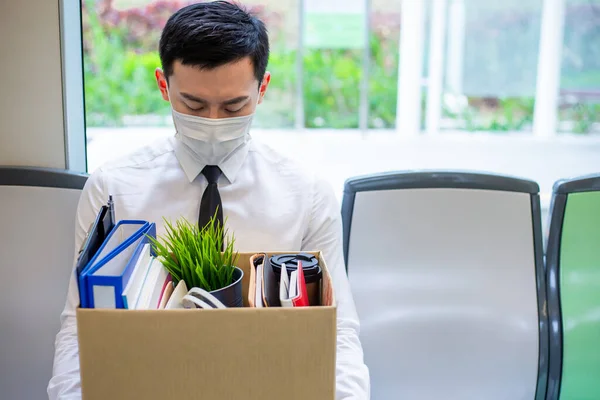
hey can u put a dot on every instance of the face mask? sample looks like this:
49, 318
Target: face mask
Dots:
212, 140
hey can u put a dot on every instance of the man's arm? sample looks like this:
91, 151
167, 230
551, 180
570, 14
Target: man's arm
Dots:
325, 234
65, 383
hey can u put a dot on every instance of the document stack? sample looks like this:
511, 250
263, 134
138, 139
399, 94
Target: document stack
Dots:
124, 273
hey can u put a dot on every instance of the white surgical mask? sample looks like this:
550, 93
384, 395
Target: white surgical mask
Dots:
212, 140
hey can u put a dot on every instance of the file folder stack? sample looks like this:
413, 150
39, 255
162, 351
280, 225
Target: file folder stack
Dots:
123, 272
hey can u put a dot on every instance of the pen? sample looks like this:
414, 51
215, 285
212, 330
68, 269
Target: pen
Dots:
111, 208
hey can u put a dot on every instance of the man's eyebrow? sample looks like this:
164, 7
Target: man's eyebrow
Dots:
236, 100
193, 98
201, 100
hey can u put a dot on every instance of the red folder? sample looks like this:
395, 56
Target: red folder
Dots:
301, 300
168, 281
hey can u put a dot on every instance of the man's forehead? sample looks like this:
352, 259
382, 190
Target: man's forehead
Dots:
238, 74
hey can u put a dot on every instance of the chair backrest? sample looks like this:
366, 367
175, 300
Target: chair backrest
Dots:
446, 269
573, 268
37, 214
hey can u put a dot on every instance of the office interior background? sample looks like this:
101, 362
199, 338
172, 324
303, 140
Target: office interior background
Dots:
502, 86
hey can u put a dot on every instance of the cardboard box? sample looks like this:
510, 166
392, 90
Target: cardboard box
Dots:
241, 353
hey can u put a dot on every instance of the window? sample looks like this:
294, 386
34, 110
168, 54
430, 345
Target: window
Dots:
350, 97
579, 102
492, 55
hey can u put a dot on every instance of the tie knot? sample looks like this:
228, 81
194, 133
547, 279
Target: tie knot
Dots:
212, 173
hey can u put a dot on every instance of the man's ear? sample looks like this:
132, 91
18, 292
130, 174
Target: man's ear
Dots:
161, 81
263, 86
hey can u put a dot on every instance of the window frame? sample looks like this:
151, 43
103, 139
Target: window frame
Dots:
71, 49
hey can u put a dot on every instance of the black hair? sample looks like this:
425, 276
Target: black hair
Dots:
209, 35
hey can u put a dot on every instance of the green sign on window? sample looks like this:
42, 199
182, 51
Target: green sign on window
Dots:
335, 24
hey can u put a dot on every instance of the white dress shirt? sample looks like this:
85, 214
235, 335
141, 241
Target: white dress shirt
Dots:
258, 188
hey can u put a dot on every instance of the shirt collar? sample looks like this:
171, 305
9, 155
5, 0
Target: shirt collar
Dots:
192, 165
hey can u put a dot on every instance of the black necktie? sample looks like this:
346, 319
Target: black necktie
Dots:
211, 199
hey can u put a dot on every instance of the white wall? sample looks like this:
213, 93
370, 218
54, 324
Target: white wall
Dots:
31, 108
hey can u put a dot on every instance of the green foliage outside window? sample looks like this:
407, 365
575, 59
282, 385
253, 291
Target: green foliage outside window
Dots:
120, 56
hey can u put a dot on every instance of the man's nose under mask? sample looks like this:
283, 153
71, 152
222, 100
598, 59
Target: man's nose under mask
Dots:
212, 140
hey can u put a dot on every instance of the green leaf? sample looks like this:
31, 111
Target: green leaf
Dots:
194, 255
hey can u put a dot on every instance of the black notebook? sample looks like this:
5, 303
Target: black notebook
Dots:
96, 235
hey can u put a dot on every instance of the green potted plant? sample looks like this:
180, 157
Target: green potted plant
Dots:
199, 257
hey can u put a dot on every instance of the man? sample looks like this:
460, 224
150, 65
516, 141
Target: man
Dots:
214, 58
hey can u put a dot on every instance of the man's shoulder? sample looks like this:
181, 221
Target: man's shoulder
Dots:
280, 164
146, 156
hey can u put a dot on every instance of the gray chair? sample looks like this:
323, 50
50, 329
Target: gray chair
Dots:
573, 268
446, 269
37, 214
